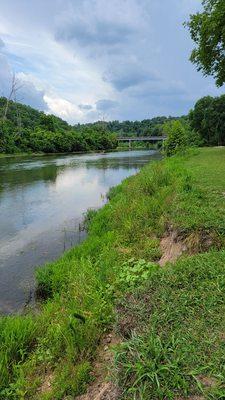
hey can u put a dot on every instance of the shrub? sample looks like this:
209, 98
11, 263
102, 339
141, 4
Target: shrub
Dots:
179, 137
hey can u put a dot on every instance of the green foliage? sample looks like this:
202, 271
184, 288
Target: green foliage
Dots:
207, 31
28, 130
134, 273
179, 137
17, 338
88, 217
65, 336
181, 350
208, 119
147, 127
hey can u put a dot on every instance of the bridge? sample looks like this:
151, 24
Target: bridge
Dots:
142, 139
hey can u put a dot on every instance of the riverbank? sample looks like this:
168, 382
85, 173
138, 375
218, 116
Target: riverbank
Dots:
170, 320
119, 148
41, 154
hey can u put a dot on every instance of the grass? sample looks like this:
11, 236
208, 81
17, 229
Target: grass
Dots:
181, 350
179, 353
175, 342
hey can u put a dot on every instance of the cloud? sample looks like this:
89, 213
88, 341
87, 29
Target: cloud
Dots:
128, 59
99, 33
26, 91
28, 94
106, 105
128, 75
160, 88
85, 107
2, 44
91, 23
63, 108
5, 75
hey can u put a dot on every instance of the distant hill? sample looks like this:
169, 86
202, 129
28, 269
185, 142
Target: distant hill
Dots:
23, 129
27, 117
146, 127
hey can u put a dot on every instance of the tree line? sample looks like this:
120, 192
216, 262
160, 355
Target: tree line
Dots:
204, 126
208, 118
146, 127
24, 129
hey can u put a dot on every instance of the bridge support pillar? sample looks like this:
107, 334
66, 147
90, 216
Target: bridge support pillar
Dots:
129, 144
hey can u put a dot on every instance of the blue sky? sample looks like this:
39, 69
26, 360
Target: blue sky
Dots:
86, 60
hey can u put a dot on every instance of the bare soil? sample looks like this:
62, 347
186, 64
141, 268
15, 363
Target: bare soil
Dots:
102, 387
172, 248
46, 386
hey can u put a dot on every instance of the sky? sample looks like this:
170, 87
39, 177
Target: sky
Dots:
88, 60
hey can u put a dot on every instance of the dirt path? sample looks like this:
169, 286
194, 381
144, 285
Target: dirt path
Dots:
102, 388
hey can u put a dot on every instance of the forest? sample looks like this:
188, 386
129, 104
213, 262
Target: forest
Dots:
146, 127
204, 124
208, 118
26, 130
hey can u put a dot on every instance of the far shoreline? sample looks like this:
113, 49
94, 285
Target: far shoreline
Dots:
12, 155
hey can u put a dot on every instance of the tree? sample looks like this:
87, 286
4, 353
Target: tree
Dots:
176, 137
207, 29
180, 136
208, 118
15, 86
47, 122
201, 117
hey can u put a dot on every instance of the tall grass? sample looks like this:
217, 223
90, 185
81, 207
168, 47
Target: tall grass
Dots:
17, 337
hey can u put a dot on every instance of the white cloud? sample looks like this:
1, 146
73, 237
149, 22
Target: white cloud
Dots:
63, 109
5, 74
2, 44
77, 56
26, 92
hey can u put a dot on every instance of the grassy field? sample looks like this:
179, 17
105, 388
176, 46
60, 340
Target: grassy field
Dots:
171, 320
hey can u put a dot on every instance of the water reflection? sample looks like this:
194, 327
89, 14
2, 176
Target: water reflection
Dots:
42, 201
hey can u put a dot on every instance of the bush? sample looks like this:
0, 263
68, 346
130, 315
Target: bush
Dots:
179, 137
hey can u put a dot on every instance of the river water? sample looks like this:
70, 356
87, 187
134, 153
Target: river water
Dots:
42, 204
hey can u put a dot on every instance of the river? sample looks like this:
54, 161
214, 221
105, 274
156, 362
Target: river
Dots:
42, 204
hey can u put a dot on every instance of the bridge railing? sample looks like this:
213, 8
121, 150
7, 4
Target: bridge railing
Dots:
141, 138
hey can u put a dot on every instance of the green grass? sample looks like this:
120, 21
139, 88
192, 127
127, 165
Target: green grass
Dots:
182, 345
180, 351
178, 326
